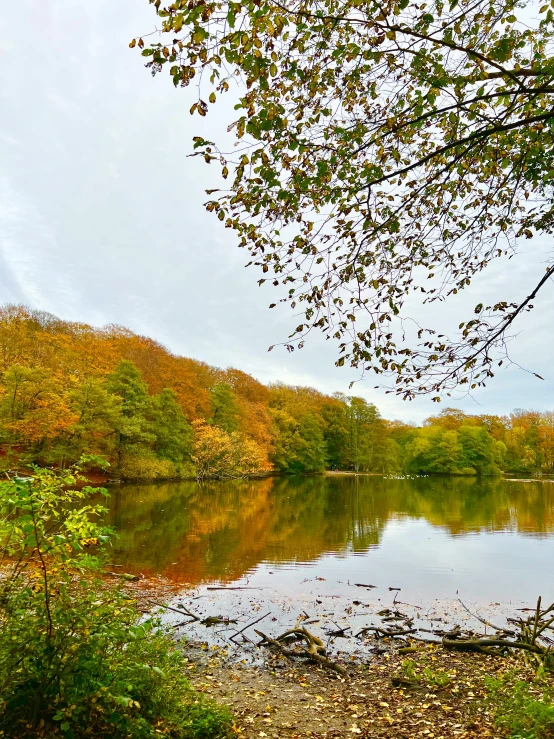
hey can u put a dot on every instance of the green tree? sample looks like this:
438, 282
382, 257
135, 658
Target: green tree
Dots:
335, 432
365, 433
417, 136
300, 444
133, 428
225, 413
173, 433
389, 457
311, 451
479, 450
433, 450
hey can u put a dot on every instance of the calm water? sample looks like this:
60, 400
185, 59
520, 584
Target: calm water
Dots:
485, 540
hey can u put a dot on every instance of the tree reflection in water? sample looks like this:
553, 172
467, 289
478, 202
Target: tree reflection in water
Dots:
222, 530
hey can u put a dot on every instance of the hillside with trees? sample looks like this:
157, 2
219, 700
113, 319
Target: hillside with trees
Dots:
69, 389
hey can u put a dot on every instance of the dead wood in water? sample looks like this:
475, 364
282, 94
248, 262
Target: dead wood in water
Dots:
314, 649
232, 638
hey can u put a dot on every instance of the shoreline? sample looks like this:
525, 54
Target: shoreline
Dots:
430, 692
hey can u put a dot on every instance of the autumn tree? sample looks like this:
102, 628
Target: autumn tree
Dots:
219, 454
386, 150
34, 407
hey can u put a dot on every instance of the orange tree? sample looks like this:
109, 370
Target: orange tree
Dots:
385, 148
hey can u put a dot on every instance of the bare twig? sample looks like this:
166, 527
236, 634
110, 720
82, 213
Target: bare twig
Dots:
232, 638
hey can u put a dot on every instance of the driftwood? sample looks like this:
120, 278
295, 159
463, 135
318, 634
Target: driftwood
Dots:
529, 637
381, 633
313, 650
485, 644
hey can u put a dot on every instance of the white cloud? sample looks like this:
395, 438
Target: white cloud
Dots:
102, 221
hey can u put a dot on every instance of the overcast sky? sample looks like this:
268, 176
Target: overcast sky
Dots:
101, 216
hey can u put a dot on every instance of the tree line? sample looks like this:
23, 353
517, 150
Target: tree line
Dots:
69, 389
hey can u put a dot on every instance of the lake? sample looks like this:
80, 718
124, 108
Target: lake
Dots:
484, 540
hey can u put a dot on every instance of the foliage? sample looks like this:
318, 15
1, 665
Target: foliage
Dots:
68, 389
470, 450
300, 443
133, 427
384, 151
224, 407
170, 427
219, 454
525, 710
76, 657
365, 433
146, 466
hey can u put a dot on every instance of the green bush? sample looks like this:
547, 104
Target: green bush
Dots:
76, 657
524, 710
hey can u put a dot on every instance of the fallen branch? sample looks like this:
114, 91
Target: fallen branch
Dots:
314, 650
381, 633
232, 638
484, 645
124, 576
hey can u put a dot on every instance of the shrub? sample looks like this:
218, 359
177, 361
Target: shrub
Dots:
146, 467
76, 657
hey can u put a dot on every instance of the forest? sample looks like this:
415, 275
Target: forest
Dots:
69, 389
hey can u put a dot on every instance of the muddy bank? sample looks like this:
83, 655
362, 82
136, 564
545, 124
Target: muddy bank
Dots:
448, 697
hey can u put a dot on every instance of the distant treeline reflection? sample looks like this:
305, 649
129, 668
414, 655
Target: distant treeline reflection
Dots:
221, 530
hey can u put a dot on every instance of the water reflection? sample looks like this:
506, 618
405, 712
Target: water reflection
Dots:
222, 530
